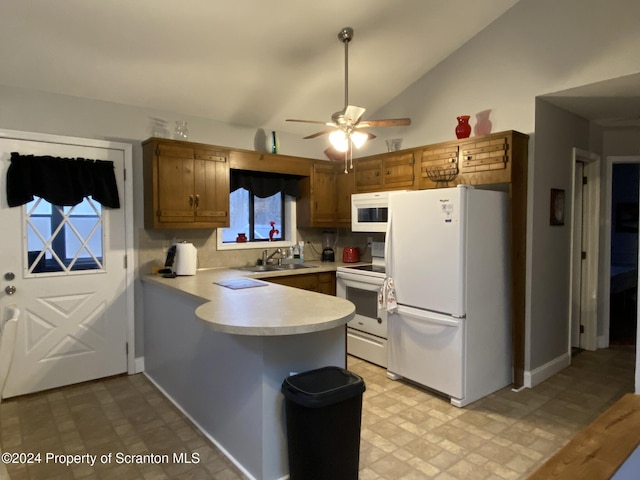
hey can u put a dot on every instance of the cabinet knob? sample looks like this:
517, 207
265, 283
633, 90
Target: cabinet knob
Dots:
191, 200
197, 201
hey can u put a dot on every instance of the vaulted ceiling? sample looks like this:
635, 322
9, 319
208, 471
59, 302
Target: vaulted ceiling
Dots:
242, 62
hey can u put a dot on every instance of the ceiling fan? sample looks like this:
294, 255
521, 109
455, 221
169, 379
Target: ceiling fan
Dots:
347, 124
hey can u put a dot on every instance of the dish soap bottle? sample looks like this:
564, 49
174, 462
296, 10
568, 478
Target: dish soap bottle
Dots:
301, 248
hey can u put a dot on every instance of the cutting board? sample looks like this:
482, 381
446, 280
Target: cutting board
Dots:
240, 283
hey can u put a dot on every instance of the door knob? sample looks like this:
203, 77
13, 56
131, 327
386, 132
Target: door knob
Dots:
10, 289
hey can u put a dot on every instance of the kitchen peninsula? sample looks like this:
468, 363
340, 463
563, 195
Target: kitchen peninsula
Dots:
220, 353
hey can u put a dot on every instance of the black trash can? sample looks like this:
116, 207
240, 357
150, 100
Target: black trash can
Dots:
323, 410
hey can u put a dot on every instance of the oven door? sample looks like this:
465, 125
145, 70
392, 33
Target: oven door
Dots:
362, 291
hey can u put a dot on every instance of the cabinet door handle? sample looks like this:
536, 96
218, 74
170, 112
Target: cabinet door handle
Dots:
191, 200
388, 172
197, 201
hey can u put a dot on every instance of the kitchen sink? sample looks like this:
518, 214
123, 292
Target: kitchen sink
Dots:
260, 268
274, 268
294, 266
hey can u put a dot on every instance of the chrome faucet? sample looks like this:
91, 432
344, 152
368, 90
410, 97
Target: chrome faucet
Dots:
266, 258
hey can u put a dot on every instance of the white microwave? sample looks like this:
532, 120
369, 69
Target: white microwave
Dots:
369, 212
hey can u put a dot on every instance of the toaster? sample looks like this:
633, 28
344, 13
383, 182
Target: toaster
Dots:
350, 254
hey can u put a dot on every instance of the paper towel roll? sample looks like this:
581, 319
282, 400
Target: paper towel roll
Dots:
186, 259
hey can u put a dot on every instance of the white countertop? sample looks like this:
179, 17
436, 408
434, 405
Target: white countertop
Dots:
266, 310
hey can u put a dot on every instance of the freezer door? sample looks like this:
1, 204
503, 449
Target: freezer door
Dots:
427, 348
425, 246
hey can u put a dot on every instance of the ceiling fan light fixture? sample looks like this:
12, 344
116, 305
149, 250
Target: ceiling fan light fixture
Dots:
339, 140
358, 138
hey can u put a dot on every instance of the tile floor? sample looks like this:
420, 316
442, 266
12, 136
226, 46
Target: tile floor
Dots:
407, 433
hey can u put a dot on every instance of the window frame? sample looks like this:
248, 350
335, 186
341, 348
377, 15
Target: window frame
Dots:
289, 227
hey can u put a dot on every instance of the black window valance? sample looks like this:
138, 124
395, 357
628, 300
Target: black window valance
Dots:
263, 184
61, 181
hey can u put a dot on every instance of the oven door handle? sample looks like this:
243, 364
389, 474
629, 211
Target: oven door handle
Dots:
360, 281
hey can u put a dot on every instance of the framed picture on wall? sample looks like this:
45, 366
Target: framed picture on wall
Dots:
556, 216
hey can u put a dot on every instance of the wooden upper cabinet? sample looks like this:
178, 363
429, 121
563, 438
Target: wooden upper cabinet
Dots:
438, 166
173, 174
269, 162
211, 187
316, 206
186, 185
323, 193
388, 171
345, 186
397, 171
486, 159
368, 173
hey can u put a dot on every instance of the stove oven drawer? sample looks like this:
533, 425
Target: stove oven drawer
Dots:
367, 347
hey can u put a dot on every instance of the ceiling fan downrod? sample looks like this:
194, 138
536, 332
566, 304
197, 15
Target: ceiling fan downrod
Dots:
345, 36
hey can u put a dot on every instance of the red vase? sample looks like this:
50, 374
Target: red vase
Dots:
463, 129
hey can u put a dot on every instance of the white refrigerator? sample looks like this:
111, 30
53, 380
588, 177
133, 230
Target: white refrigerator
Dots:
448, 258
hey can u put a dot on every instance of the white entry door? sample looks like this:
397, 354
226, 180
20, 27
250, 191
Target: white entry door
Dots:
67, 266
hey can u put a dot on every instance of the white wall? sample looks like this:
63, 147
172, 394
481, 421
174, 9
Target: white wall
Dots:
538, 47
535, 48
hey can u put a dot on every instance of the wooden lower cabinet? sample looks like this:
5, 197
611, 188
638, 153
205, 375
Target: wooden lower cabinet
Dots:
323, 282
327, 283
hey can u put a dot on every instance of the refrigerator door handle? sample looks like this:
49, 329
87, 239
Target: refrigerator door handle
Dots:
387, 245
428, 317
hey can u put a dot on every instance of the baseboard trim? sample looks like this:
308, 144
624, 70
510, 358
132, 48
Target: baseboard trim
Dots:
548, 370
139, 364
603, 342
202, 430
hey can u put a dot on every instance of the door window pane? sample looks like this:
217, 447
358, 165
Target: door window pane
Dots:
64, 239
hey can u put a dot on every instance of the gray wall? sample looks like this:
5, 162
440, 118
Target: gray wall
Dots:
557, 131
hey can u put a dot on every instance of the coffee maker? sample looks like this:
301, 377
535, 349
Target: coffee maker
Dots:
328, 240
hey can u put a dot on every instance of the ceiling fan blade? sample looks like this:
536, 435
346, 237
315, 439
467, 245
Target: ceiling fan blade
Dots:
317, 134
331, 124
387, 122
370, 136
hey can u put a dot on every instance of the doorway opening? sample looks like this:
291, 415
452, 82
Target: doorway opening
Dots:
622, 291
585, 248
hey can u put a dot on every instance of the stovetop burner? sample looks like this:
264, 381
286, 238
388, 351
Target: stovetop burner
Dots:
369, 268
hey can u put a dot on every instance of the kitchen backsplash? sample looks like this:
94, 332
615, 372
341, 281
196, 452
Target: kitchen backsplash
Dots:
152, 247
